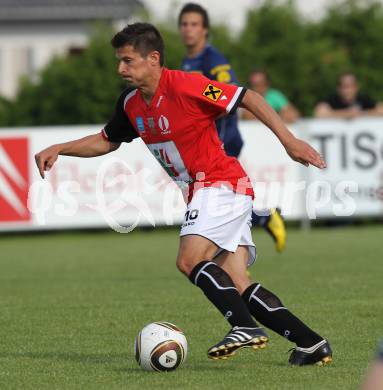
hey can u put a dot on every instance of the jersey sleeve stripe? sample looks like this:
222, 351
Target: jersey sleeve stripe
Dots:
104, 135
237, 98
129, 96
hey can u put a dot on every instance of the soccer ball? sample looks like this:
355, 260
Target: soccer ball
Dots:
160, 346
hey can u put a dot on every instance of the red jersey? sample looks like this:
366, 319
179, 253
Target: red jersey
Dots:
178, 128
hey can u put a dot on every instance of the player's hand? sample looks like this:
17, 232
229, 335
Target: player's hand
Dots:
46, 158
303, 153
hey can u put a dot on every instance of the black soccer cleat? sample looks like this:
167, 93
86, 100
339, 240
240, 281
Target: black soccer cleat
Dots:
319, 354
238, 337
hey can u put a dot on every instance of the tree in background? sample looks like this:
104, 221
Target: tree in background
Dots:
300, 63
76, 89
5, 107
356, 28
302, 57
174, 49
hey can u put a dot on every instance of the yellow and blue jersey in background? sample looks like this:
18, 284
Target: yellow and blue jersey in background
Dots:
213, 64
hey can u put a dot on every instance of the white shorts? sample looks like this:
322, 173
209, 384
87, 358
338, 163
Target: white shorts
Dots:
223, 217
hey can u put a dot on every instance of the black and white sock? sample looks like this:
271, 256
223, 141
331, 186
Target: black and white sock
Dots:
219, 288
268, 309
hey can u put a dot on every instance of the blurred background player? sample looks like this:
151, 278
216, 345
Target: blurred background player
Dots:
201, 57
259, 81
374, 379
348, 102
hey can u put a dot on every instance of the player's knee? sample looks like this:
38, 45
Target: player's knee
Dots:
191, 255
185, 264
242, 285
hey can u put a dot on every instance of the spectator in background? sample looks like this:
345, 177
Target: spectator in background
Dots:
348, 102
259, 81
374, 379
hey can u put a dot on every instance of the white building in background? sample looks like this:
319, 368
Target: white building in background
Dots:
33, 31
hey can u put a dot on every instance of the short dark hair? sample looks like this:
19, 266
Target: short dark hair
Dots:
193, 7
261, 71
144, 38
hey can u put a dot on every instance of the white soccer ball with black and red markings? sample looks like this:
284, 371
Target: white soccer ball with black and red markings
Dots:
160, 346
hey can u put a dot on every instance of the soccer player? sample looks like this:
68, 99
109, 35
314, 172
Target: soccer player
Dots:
201, 57
174, 114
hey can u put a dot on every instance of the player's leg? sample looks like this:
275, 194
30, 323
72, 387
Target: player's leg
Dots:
270, 219
238, 337
217, 215
194, 260
268, 309
235, 264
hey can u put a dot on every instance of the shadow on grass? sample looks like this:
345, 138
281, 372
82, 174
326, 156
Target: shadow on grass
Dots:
194, 367
114, 361
70, 357
124, 363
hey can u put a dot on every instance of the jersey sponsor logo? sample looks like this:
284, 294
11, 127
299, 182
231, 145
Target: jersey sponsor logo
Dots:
14, 180
212, 93
140, 124
163, 124
164, 159
152, 125
169, 157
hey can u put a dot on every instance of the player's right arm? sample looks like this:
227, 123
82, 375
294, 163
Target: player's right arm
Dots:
117, 130
91, 146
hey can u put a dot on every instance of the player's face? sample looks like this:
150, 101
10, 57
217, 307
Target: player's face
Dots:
348, 88
192, 30
258, 83
133, 67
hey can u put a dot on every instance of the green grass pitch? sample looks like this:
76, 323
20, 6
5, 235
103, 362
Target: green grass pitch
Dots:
72, 303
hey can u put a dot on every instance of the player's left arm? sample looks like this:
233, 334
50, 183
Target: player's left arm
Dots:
297, 149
